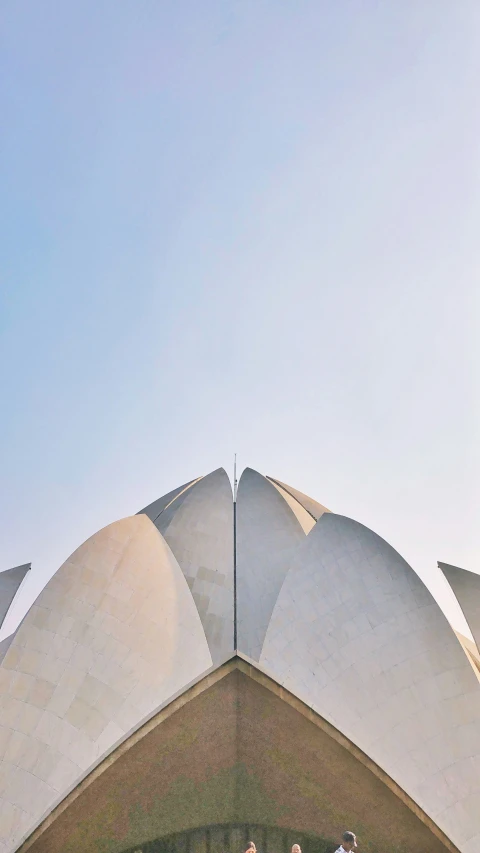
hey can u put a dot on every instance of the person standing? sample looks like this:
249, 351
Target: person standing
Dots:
349, 842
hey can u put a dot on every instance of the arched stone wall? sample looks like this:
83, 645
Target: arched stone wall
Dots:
235, 749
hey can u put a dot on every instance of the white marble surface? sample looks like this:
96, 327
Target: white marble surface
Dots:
10, 583
112, 636
357, 636
305, 520
466, 586
309, 504
155, 509
198, 527
267, 535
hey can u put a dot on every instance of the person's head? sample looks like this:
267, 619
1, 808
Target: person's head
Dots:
250, 848
349, 841
296, 848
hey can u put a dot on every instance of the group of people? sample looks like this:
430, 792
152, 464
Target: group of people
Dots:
349, 843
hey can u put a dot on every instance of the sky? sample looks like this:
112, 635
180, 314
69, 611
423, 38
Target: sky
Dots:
240, 226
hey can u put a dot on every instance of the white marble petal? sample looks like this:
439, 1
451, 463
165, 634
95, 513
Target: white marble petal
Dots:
198, 527
466, 586
10, 582
155, 509
267, 535
113, 635
357, 636
309, 504
305, 520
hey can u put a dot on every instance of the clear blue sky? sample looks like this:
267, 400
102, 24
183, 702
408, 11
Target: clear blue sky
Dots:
243, 225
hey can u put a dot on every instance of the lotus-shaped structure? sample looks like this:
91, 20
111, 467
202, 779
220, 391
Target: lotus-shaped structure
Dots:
210, 668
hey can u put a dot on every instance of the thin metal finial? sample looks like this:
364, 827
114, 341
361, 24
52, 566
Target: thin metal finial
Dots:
235, 478
235, 552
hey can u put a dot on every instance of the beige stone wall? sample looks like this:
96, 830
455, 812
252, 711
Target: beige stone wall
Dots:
235, 748
113, 635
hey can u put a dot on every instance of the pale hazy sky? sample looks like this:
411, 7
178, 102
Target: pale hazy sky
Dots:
240, 225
